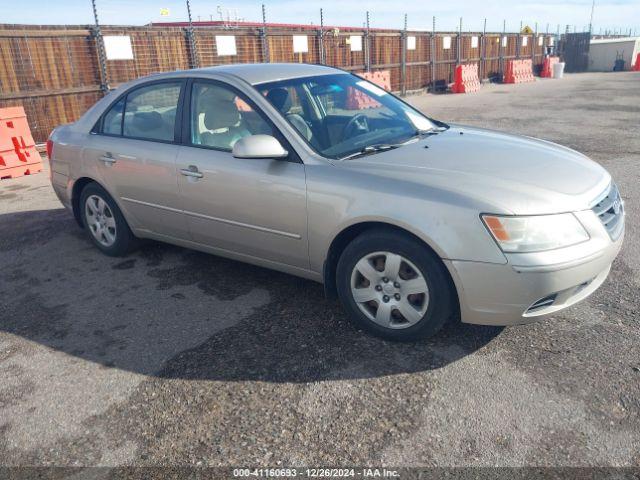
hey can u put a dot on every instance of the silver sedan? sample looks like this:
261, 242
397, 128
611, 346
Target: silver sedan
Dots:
318, 173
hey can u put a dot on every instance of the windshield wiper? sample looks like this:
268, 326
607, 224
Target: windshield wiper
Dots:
381, 147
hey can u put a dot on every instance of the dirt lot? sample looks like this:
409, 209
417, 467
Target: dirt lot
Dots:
175, 357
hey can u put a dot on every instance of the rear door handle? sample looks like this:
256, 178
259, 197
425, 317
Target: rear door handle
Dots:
192, 171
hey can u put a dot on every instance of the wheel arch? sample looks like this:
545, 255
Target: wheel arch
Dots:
76, 191
345, 236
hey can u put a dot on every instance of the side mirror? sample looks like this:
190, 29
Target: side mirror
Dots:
258, 146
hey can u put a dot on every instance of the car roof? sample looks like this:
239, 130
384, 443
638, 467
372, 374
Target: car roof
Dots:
256, 73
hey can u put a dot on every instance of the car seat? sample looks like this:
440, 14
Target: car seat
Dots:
281, 99
221, 118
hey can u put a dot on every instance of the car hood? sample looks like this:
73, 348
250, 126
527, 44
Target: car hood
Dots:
502, 172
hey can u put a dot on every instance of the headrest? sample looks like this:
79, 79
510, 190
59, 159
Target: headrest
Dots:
219, 108
147, 121
279, 98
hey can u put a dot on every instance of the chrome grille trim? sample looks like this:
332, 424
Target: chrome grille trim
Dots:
610, 210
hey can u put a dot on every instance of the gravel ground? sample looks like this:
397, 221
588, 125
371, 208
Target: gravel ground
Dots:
173, 357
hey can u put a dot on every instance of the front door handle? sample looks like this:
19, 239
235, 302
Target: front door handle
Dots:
192, 171
108, 160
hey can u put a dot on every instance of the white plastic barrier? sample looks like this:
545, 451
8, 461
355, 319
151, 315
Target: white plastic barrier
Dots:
558, 70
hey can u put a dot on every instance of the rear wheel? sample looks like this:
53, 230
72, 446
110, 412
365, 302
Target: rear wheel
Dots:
394, 286
104, 222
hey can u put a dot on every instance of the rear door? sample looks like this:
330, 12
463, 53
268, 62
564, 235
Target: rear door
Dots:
255, 207
133, 151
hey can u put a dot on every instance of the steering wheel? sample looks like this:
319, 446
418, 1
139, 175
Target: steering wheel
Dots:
358, 125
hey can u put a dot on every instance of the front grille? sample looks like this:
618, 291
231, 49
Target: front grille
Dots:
610, 211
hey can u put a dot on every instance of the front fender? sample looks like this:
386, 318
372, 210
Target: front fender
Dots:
340, 198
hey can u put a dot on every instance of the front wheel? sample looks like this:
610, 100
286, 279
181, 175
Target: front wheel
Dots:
394, 286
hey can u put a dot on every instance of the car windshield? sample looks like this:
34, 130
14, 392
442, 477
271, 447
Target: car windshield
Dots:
343, 115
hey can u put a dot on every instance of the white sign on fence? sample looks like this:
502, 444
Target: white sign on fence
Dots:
300, 44
525, 41
540, 40
551, 41
446, 43
226, 45
118, 47
504, 41
356, 43
474, 42
411, 43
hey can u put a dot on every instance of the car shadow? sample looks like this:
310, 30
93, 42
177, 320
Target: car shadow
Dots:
170, 312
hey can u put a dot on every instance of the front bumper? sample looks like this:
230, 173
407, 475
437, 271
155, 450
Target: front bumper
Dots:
531, 286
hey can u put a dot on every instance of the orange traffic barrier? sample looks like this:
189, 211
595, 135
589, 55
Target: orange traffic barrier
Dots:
636, 67
519, 71
357, 100
18, 154
466, 79
547, 66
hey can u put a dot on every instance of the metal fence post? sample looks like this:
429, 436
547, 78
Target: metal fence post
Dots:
534, 46
367, 47
321, 39
483, 51
519, 41
266, 57
403, 57
191, 37
459, 44
501, 49
102, 57
433, 54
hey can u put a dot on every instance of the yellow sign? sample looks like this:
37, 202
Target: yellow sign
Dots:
164, 12
527, 30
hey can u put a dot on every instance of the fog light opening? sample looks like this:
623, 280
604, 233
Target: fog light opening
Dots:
543, 302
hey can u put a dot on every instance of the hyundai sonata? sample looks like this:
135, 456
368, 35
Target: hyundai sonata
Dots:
316, 172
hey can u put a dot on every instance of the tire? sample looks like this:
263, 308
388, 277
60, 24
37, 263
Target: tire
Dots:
411, 316
98, 207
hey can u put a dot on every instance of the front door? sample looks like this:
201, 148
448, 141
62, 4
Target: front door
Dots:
133, 152
254, 207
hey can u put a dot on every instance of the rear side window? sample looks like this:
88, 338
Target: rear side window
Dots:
147, 113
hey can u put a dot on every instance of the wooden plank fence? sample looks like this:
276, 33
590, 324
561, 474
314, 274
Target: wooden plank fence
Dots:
55, 71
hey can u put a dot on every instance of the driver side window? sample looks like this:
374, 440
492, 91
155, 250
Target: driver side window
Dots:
220, 117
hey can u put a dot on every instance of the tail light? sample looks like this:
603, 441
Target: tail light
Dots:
49, 149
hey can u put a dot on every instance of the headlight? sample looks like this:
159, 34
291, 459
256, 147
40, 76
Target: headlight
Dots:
535, 233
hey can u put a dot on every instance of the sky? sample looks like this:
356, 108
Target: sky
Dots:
608, 14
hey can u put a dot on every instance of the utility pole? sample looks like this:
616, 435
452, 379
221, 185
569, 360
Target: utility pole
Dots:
593, 6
